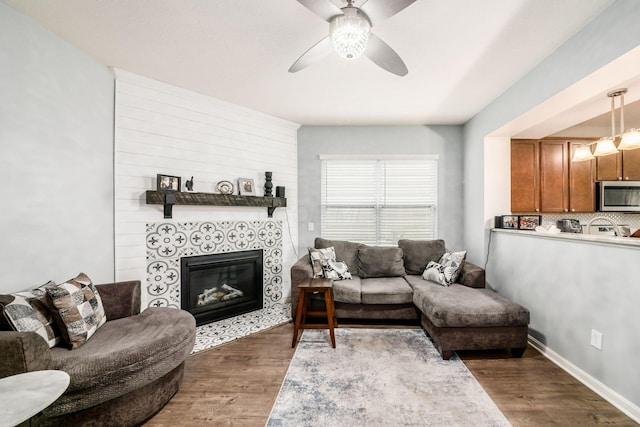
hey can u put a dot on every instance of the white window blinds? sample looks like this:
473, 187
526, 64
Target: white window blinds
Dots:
378, 201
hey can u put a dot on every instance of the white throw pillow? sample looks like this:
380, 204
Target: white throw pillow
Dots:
317, 256
447, 270
335, 270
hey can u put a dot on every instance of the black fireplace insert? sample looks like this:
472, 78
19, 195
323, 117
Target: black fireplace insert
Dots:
218, 286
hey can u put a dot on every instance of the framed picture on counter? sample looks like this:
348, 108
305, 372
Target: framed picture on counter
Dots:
508, 221
530, 222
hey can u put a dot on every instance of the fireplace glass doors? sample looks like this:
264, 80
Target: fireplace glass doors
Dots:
218, 286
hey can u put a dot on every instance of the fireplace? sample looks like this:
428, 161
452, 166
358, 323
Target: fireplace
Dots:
222, 285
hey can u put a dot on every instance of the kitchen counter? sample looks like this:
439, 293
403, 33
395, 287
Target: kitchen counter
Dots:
579, 237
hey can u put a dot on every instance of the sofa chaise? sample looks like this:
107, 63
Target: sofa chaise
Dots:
387, 284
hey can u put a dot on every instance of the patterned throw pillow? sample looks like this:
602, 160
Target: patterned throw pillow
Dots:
335, 270
28, 312
79, 309
318, 256
447, 270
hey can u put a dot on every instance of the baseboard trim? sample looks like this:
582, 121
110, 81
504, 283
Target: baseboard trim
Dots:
599, 388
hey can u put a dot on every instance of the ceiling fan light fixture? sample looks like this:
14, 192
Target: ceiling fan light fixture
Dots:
350, 33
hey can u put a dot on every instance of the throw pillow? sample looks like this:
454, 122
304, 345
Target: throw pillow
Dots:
317, 256
79, 309
446, 270
28, 312
375, 261
435, 273
335, 270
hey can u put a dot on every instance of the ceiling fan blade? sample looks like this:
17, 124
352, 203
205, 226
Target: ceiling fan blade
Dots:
379, 10
382, 54
323, 8
317, 52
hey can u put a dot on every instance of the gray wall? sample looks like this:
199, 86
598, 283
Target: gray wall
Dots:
566, 293
446, 141
56, 157
571, 288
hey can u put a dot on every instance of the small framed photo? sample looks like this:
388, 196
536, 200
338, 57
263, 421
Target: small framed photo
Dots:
168, 183
246, 187
510, 221
530, 222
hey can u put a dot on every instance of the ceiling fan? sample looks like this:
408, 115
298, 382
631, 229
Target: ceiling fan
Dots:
350, 33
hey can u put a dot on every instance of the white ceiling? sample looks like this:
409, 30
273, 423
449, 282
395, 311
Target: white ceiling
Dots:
461, 54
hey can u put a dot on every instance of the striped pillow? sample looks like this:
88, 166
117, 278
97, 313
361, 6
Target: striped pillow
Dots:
28, 312
79, 309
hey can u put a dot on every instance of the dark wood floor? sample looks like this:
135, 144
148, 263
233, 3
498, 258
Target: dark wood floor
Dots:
236, 385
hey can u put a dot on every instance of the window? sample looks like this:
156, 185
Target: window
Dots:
378, 201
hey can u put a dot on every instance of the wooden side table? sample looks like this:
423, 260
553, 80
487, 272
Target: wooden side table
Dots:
307, 288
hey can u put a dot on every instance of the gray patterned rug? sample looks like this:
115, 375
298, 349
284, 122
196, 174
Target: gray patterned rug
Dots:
379, 377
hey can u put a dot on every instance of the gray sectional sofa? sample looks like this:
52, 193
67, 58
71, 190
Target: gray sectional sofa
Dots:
387, 285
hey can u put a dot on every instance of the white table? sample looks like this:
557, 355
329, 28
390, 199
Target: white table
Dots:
24, 395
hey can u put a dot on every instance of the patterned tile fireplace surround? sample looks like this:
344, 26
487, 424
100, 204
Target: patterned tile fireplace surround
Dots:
167, 242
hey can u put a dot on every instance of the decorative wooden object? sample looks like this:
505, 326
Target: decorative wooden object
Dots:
211, 199
268, 185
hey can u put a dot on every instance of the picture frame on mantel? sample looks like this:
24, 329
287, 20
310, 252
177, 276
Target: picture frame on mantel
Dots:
168, 182
246, 187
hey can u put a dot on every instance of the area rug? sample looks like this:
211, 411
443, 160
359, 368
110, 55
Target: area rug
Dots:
379, 377
227, 330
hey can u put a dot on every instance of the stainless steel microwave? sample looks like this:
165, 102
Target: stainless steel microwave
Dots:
618, 196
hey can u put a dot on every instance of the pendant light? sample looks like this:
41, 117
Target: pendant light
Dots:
606, 146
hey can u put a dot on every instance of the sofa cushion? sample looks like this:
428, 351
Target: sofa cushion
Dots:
78, 309
348, 291
418, 253
459, 306
318, 256
346, 252
374, 261
122, 356
28, 312
387, 290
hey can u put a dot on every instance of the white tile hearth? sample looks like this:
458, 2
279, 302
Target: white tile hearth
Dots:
224, 331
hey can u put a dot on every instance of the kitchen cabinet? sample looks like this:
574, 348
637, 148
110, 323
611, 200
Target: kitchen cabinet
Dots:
544, 180
624, 166
582, 187
525, 194
554, 177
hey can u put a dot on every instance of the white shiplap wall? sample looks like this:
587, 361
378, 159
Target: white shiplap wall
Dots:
161, 128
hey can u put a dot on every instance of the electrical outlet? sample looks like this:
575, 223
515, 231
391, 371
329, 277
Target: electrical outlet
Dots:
596, 339
311, 226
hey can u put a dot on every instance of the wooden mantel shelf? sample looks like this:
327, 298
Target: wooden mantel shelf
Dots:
168, 199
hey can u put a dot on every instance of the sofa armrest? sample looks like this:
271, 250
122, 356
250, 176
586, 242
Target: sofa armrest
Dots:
120, 299
300, 271
23, 352
472, 276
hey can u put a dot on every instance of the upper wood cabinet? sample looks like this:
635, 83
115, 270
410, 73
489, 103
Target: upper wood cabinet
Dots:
544, 180
525, 193
554, 177
582, 187
624, 166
